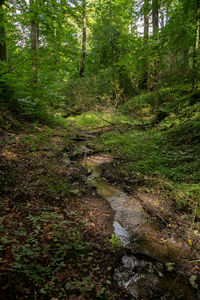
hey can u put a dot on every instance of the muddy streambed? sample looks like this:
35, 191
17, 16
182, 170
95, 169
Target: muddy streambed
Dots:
148, 270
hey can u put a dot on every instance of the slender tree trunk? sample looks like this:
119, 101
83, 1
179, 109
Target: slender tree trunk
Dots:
3, 48
146, 19
82, 69
56, 44
146, 36
196, 48
167, 13
155, 17
155, 22
162, 19
34, 43
3, 52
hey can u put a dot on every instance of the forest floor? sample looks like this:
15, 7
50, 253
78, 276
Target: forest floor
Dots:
57, 235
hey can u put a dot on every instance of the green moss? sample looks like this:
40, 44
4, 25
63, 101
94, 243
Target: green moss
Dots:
100, 119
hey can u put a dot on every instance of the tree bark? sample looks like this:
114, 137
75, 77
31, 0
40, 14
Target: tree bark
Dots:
167, 13
162, 19
146, 19
3, 47
196, 48
155, 16
155, 21
146, 36
34, 42
82, 69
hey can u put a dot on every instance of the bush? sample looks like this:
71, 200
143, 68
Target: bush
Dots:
98, 91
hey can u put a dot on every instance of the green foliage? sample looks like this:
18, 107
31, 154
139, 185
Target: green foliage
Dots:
170, 266
167, 148
138, 104
153, 152
116, 56
34, 101
193, 281
83, 286
115, 241
65, 241
89, 92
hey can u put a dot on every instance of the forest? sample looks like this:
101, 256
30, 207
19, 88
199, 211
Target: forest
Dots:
99, 149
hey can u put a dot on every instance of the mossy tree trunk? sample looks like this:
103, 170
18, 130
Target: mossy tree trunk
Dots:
196, 49
3, 48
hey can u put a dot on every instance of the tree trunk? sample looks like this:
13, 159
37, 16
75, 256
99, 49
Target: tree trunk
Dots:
3, 52
162, 19
167, 13
146, 36
155, 21
146, 19
155, 16
196, 48
34, 43
56, 45
82, 69
3, 48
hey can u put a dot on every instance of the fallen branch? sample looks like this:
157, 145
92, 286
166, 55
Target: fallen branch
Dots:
112, 124
70, 111
118, 124
105, 120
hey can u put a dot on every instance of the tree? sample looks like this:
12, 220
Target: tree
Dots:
146, 36
155, 7
34, 40
3, 46
45, 37
155, 63
196, 48
82, 69
146, 19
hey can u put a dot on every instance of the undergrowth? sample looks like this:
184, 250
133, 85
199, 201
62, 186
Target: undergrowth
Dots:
92, 120
163, 144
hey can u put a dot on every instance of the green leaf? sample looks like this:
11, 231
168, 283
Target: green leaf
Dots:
193, 281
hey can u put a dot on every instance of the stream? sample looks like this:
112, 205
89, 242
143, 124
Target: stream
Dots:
148, 270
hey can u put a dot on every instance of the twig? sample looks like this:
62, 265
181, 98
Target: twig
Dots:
105, 120
2, 220
150, 211
192, 261
173, 283
112, 124
12, 270
35, 294
98, 127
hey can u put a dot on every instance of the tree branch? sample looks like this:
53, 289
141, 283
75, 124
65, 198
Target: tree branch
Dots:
15, 67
